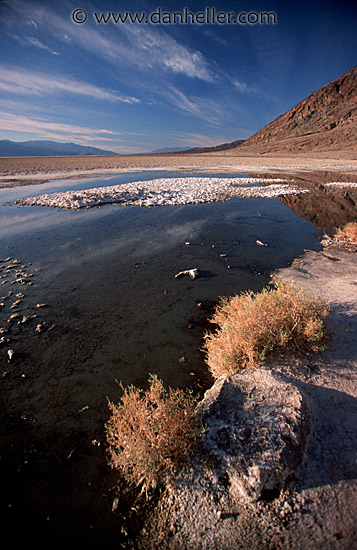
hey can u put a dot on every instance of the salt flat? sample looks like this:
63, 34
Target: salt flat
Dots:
163, 192
26, 170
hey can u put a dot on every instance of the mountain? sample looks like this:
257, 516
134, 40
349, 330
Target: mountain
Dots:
168, 150
325, 121
214, 148
197, 150
46, 149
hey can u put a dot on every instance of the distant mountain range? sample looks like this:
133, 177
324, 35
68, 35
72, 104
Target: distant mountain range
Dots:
222, 147
47, 149
167, 150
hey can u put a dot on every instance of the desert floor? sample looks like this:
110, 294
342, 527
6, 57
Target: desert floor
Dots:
22, 170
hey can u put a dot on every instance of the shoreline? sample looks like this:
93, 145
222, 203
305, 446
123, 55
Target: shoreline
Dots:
316, 506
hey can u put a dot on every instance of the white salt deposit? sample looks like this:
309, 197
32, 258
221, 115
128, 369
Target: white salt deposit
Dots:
341, 184
165, 191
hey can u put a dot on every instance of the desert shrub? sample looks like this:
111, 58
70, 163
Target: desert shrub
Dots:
348, 234
150, 433
252, 326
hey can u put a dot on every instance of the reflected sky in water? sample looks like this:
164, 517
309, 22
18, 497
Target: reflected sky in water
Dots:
107, 273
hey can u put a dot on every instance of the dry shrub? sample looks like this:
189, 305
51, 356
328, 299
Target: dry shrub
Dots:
252, 326
347, 235
151, 433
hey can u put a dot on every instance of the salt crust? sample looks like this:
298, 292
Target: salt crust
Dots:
164, 191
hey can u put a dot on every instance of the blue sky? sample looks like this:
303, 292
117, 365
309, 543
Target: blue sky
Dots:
132, 88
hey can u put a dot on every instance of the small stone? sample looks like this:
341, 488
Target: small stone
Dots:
193, 273
182, 360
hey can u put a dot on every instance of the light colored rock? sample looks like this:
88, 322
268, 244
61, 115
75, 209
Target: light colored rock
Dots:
257, 429
193, 273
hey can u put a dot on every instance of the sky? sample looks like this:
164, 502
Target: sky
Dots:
168, 82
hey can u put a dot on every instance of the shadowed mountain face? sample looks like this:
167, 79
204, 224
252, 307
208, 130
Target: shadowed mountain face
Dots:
326, 120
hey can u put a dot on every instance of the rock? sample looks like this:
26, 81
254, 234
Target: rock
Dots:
259, 243
10, 354
193, 273
257, 430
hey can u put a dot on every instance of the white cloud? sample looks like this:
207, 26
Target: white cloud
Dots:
38, 44
21, 81
53, 130
130, 45
205, 109
243, 87
157, 48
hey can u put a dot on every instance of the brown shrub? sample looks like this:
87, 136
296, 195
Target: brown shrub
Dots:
252, 326
348, 234
151, 433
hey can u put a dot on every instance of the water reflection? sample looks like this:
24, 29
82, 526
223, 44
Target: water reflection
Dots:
328, 208
119, 262
115, 312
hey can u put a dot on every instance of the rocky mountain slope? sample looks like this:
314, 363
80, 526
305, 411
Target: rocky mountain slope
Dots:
325, 120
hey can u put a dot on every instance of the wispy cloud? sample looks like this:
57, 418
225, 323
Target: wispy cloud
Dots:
202, 108
243, 87
133, 45
38, 44
21, 81
54, 130
157, 48
190, 139
33, 41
